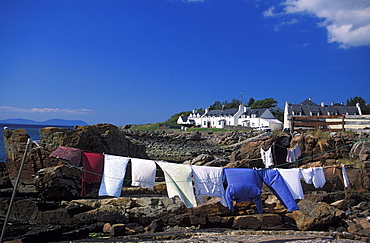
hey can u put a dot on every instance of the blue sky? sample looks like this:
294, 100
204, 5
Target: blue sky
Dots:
141, 61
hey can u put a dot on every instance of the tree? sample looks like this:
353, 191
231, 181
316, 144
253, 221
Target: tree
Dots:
250, 102
216, 106
266, 103
365, 108
233, 104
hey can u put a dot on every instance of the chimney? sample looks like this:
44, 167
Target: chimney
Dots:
332, 103
310, 99
322, 104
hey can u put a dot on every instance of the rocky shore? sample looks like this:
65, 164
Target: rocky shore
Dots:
48, 207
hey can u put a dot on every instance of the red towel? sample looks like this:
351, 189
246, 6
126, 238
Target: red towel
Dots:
73, 155
92, 164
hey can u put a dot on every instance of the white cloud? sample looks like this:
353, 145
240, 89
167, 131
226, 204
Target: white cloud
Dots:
290, 22
269, 12
45, 110
347, 21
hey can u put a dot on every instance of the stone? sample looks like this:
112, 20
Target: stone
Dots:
363, 222
364, 232
45, 233
117, 230
155, 226
353, 228
247, 222
315, 216
107, 228
58, 183
202, 159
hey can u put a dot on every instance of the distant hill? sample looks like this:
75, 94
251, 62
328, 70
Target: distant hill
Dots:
51, 122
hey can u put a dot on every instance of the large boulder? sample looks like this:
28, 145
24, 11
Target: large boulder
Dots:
316, 216
58, 183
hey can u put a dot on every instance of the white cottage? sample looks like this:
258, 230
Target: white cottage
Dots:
243, 116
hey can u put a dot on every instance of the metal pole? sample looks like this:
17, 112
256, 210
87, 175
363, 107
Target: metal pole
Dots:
15, 189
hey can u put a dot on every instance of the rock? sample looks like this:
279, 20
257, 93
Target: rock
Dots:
155, 226
315, 216
117, 230
95, 138
364, 232
58, 183
274, 204
363, 222
134, 228
258, 221
202, 159
45, 233
107, 227
341, 204
353, 228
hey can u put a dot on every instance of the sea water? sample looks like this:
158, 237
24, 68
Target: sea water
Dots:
32, 130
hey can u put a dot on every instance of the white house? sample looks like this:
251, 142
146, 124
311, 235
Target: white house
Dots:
259, 118
242, 116
309, 108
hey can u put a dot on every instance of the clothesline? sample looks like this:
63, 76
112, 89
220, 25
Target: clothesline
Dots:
271, 167
243, 184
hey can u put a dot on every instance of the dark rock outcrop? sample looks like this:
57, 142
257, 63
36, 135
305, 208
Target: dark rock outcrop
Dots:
96, 138
316, 216
58, 183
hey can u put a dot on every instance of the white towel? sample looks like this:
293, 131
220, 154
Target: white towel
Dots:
307, 174
208, 181
178, 182
143, 172
113, 175
267, 157
292, 178
314, 176
345, 177
318, 179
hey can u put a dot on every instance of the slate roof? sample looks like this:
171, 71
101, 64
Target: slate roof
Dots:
257, 112
221, 113
306, 107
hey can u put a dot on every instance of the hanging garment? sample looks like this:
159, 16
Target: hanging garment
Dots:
275, 182
73, 155
314, 176
307, 174
243, 184
178, 182
113, 175
92, 165
292, 178
345, 177
143, 172
208, 181
293, 154
267, 157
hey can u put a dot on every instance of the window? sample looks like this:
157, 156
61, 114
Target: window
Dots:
297, 113
314, 113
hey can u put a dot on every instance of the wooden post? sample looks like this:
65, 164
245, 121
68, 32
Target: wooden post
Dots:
342, 123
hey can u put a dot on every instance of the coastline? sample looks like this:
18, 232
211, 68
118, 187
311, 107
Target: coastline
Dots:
32, 130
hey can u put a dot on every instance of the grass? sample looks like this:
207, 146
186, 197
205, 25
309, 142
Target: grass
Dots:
199, 129
356, 162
